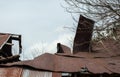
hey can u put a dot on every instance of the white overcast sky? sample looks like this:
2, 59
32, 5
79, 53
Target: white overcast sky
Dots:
38, 21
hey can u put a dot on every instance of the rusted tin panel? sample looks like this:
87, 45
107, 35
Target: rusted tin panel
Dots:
97, 66
63, 49
93, 65
68, 64
83, 35
113, 65
35, 73
54, 74
104, 65
10, 72
3, 39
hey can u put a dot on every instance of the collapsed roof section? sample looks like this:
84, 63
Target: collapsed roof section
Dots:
6, 47
105, 57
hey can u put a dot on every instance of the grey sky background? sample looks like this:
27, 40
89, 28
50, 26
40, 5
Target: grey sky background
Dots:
40, 22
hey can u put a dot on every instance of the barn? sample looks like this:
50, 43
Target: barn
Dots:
87, 59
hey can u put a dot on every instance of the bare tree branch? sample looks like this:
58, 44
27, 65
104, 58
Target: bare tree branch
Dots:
106, 13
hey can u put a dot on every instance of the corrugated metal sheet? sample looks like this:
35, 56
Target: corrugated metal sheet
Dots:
35, 73
3, 39
83, 35
56, 63
22, 72
10, 72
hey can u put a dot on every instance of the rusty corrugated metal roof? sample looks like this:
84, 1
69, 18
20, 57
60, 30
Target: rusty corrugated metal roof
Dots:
57, 63
3, 39
104, 58
97, 61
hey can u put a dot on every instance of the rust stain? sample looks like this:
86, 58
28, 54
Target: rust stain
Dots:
10, 72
